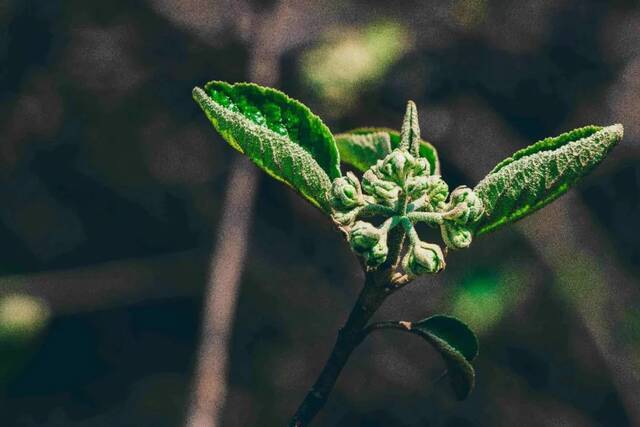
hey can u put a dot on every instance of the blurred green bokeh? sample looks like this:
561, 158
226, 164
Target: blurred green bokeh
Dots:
484, 298
350, 60
23, 318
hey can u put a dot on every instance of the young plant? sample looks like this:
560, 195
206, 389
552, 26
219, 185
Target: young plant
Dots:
400, 187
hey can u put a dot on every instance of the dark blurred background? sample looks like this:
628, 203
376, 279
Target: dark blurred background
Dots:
112, 185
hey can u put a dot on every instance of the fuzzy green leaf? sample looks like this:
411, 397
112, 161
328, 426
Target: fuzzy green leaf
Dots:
410, 132
362, 147
535, 176
280, 135
363, 150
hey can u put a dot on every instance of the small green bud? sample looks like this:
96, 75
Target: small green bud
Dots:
438, 190
345, 218
378, 254
346, 192
370, 242
455, 236
382, 190
465, 206
423, 258
421, 167
363, 237
397, 166
432, 186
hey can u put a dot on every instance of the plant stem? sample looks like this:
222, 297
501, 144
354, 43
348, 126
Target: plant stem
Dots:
378, 285
374, 292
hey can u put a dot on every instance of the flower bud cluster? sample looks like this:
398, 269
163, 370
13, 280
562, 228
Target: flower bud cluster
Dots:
403, 189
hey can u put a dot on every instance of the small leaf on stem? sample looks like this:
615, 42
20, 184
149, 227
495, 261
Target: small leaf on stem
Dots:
455, 342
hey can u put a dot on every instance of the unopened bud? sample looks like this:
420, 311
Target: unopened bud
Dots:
455, 236
370, 242
465, 206
397, 166
378, 254
346, 192
363, 237
384, 191
421, 167
423, 258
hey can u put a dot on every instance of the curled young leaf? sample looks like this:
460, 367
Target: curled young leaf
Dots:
453, 339
280, 135
410, 132
535, 176
362, 147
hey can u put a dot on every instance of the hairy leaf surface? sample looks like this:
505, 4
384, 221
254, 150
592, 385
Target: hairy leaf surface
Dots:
362, 147
363, 150
535, 176
279, 134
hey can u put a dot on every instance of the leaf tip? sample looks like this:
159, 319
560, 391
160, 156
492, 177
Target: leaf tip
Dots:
199, 95
410, 133
617, 130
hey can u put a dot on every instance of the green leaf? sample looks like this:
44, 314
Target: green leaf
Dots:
537, 175
457, 345
455, 342
280, 135
362, 147
410, 132
363, 150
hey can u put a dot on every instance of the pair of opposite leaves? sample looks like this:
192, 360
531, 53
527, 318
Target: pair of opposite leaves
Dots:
285, 139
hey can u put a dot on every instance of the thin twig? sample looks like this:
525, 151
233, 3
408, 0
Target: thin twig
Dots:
349, 336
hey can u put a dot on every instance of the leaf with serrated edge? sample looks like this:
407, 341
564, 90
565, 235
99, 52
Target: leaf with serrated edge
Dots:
537, 175
361, 155
279, 134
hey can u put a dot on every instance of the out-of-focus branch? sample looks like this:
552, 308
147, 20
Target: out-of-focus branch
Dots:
110, 284
272, 35
221, 296
592, 282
